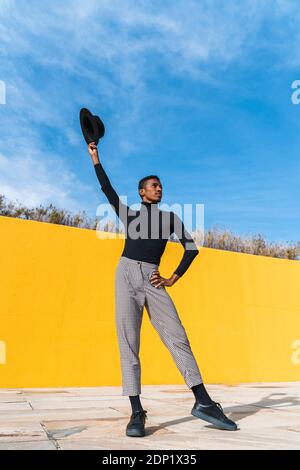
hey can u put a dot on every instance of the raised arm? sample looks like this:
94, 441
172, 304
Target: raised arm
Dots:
190, 247
120, 208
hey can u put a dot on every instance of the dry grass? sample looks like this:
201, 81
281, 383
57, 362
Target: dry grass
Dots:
213, 238
254, 244
48, 214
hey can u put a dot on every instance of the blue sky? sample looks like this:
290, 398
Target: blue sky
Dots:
196, 92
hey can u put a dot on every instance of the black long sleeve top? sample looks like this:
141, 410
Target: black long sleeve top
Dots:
148, 230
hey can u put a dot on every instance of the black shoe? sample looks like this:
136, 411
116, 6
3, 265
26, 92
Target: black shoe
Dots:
136, 425
213, 414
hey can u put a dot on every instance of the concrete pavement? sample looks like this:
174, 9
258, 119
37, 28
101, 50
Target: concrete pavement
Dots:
268, 416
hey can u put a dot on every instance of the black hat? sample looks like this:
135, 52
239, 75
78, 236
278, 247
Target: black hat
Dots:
92, 127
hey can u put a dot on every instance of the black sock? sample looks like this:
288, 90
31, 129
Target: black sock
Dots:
135, 403
201, 394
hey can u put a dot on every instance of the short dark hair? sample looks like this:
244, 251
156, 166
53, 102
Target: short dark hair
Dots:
142, 182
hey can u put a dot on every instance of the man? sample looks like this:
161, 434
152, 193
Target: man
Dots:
138, 284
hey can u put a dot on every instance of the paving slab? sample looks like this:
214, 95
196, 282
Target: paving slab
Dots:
28, 445
267, 414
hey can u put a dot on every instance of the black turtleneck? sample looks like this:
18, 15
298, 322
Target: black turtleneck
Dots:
147, 230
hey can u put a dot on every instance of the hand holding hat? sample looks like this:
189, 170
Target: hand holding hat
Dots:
92, 127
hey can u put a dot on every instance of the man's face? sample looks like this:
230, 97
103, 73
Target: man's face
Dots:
152, 190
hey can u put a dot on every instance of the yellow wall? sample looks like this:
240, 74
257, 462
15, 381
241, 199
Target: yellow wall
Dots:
241, 312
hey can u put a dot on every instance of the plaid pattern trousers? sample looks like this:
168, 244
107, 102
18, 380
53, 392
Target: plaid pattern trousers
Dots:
133, 292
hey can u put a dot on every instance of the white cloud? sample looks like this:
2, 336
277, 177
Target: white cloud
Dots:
30, 180
186, 35
58, 56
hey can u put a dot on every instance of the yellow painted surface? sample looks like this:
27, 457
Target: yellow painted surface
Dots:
241, 312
